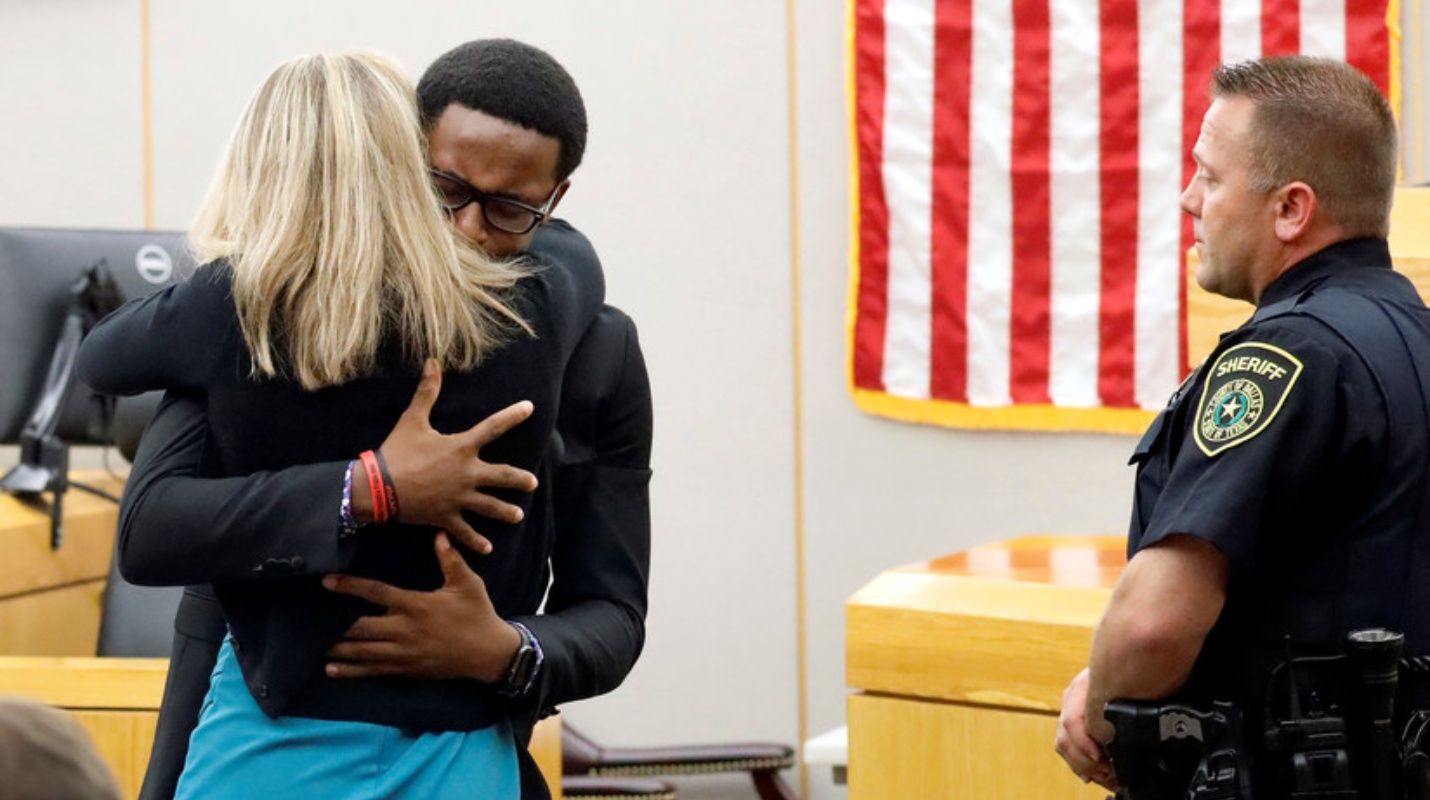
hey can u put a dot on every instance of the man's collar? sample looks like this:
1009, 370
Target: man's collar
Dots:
1349, 254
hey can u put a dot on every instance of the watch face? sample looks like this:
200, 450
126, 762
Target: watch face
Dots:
522, 664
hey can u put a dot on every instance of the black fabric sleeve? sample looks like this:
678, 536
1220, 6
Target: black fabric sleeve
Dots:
163, 341
594, 626
576, 278
178, 529
1318, 443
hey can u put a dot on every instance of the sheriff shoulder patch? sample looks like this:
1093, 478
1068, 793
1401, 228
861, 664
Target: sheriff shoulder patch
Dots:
1244, 391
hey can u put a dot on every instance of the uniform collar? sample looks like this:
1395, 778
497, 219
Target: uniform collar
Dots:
1350, 254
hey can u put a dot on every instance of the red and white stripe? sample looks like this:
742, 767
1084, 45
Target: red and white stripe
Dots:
1019, 164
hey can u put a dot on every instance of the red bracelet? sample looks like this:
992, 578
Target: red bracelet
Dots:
374, 486
389, 490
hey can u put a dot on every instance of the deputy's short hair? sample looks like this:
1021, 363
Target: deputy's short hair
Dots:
515, 82
45, 755
1323, 122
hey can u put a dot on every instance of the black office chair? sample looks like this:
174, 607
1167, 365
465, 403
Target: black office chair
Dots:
580, 756
594, 787
135, 621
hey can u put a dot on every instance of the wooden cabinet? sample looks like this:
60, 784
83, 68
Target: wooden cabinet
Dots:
116, 700
49, 599
959, 665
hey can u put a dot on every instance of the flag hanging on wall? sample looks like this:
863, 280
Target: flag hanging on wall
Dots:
1017, 244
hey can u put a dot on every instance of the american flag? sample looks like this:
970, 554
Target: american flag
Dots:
1018, 247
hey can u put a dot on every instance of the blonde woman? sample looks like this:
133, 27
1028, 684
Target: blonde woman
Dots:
332, 277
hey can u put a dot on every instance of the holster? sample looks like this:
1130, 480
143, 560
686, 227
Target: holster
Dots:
1415, 747
1176, 752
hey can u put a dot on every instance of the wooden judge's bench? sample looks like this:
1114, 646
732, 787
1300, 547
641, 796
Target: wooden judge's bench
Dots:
50, 603
959, 665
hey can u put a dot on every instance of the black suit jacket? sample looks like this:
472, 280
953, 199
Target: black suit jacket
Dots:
595, 492
268, 578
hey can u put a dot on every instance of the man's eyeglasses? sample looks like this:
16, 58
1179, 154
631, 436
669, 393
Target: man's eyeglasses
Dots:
502, 213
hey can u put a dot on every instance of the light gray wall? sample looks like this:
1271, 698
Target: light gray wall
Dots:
70, 124
686, 193
1414, 134
70, 114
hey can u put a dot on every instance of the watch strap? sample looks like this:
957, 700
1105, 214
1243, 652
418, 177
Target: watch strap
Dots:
525, 666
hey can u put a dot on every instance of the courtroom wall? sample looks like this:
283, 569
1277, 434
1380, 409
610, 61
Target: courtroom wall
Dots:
1415, 78
686, 192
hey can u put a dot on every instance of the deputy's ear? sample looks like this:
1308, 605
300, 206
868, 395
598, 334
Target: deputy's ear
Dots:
1295, 208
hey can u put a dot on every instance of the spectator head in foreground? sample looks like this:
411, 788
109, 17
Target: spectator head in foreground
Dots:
46, 755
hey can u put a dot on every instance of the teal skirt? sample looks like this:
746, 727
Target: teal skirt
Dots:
239, 752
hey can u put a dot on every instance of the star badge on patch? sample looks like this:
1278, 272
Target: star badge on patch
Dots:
1244, 391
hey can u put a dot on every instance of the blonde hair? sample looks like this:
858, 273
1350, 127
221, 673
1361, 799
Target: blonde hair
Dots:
323, 207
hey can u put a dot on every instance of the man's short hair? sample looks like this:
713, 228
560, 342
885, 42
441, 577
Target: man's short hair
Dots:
1323, 122
515, 82
46, 755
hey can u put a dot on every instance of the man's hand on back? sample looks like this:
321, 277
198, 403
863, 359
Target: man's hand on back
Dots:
438, 476
453, 632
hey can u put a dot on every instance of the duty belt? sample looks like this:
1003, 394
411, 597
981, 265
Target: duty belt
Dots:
1331, 739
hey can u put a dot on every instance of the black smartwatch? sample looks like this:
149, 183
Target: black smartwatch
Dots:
521, 673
